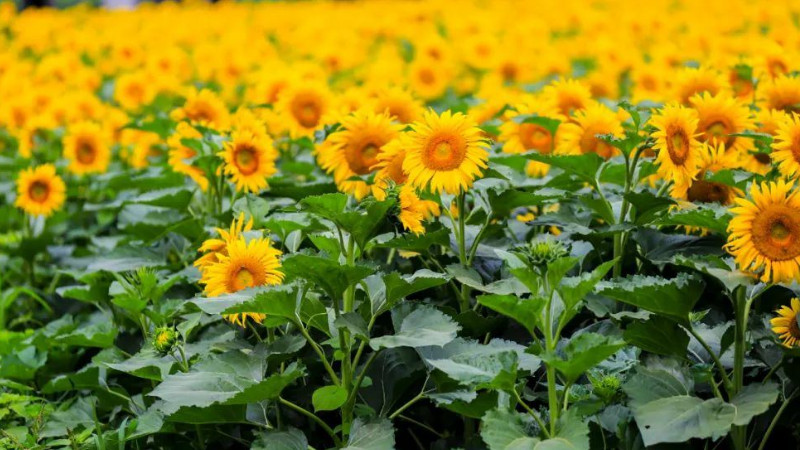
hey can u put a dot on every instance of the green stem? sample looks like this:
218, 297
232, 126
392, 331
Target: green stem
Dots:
313, 417
742, 307
319, 353
532, 413
726, 381
552, 398
774, 421
462, 247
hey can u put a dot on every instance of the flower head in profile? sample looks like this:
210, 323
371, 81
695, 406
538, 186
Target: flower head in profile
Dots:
180, 155
40, 191
218, 246
203, 108
786, 147
414, 210
444, 153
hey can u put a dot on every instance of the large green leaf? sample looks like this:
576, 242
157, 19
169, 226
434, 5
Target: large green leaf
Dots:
680, 418
509, 430
658, 335
582, 353
525, 311
752, 400
328, 398
334, 278
361, 222
422, 327
673, 298
584, 166
375, 435
291, 439
474, 364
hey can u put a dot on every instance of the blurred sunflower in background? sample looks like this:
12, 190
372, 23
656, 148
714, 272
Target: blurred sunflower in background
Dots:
87, 149
786, 147
249, 160
678, 148
785, 325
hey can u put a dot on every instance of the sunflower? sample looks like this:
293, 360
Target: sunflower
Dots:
215, 246
414, 210
180, 155
713, 158
399, 104
764, 234
40, 191
581, 136
86, 148
786, 147
523, 137
304, 107
782, 93
785, 325
691, 81
769, 120
389, 168
678, 149
247, 264
429, 78
719, 117
249, 160
444, 153
353, 150
133, 90
567, 96
204, 108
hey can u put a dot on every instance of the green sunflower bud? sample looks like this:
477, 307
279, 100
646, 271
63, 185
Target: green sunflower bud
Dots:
164, 339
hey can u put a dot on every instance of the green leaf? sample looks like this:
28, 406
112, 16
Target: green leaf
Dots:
414, 242
477, 365
291, 439
361, 222
658, 335
681, 418
525, 311
507, 430
573, 289
584, 166
396, 287
422, 327
233, 378
752, 400
374, 435
714, 218
332, 277
672, 298
175, 197
328, 398
582, 353
648, 207
660, 379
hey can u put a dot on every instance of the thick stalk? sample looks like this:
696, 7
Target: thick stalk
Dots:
344, 342
742, 308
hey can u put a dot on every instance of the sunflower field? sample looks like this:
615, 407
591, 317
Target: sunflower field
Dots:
398, 224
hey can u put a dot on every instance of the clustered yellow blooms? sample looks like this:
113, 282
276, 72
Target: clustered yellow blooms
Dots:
367, 92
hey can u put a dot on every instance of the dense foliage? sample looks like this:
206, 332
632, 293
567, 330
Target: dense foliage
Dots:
376, 225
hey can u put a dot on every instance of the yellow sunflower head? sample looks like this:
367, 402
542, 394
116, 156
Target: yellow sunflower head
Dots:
246, 265
204, 108
40, 191
213, 246
764, 234
768, 120
691, 81
678, 149
444, 153
786, 147
398, 103
719, 117
249, 160
567, 96
581, 135
304, 107
782, 93
86, 147
785, 324
133, 90
389, 168
429, 78
354, 149
414, 210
